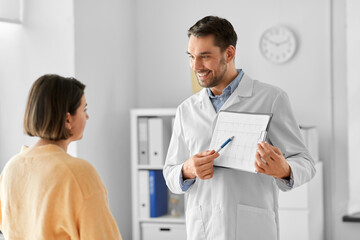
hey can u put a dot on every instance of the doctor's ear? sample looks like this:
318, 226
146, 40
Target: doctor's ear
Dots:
230, 53
68, 121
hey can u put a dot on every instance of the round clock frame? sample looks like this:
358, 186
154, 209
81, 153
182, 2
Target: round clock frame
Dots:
278, 44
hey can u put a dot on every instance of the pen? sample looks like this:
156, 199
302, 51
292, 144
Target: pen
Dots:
224, 144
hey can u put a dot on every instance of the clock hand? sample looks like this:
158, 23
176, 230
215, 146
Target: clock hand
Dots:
272, 42
283, 42
278, 43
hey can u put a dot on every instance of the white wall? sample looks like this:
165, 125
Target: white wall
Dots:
353, 98
43, 43
105, 62
339, 178
104, 46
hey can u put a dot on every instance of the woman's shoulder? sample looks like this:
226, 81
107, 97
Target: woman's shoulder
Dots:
57, 168
85, 175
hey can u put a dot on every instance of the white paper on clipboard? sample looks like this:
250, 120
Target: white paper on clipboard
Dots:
248, 129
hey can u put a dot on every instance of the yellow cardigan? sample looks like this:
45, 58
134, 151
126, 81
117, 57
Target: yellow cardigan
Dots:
47, 194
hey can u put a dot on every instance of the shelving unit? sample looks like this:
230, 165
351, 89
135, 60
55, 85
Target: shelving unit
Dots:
173, 226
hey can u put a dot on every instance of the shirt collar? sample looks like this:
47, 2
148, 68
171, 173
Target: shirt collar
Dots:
232, 86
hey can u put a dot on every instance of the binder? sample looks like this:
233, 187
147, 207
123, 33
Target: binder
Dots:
158, 194
158, 139
143, 140
144, 194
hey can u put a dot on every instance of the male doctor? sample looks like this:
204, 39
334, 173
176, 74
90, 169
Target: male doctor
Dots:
223, 203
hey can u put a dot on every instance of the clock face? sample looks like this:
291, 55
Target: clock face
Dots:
278, 44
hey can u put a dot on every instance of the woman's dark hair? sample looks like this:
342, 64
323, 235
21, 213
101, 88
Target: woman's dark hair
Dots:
222, 30
51, 97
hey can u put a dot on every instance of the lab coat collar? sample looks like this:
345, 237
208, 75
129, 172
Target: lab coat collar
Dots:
244, 89
205, 102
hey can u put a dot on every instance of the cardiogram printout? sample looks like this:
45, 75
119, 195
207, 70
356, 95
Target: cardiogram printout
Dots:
248, 129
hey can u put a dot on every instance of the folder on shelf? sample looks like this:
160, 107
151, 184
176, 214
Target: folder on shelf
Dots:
143, 140
158, 194
144, 194
158, 139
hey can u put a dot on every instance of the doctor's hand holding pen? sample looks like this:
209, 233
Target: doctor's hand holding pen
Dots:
200, 165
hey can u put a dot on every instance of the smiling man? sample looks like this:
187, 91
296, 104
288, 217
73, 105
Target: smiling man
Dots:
224, 203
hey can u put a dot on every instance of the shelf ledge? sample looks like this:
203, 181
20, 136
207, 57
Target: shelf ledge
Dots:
165, 219
352, 217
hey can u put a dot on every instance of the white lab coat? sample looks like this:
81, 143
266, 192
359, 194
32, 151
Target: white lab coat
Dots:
235, 204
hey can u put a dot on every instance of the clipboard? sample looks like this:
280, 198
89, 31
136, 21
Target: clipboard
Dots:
248, 129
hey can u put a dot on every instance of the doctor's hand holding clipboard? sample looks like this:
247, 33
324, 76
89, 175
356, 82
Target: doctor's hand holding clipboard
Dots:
274, 163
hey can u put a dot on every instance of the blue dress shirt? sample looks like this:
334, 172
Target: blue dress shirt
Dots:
219, 100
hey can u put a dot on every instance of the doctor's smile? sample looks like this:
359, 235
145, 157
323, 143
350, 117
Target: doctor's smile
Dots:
202, 75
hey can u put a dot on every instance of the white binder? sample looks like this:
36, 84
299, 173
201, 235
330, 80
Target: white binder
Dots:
144, 194
158, 139
143, 140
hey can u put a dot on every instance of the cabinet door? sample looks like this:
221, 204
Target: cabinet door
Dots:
295, 199
294, 224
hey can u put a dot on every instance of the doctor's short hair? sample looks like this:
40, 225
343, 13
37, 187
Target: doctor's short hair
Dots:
222, 30
51, 97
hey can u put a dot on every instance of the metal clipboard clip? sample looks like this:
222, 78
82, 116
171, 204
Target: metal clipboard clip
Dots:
262, 136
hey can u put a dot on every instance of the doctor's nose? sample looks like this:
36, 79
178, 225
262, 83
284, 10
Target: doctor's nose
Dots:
196, 64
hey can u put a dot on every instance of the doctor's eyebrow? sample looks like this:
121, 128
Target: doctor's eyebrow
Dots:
202, 53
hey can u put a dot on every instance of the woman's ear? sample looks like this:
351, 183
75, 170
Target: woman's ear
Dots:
68, 121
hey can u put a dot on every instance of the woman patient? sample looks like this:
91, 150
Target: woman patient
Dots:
45, 193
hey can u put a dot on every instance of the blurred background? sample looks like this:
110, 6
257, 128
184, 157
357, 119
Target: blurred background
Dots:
132, 54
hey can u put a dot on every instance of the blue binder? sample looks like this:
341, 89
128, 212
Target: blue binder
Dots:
158, 194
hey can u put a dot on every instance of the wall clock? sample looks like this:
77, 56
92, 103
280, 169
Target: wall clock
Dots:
278, 44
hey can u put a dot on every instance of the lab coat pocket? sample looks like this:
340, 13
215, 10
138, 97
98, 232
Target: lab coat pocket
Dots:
194, 224
255, 223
